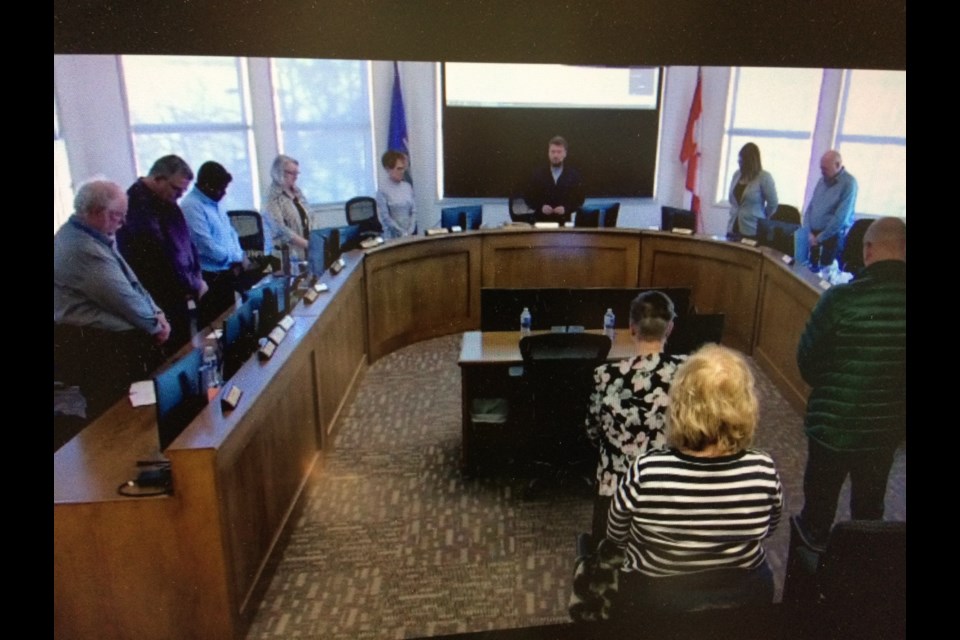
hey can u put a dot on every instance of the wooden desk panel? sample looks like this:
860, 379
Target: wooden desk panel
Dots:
572, 258
724, 278
787, 297
420, 289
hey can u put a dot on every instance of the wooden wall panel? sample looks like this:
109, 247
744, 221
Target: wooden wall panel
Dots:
725, 278
420, 290
567, 258
787, 297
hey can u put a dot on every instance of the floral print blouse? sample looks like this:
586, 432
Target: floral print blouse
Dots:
627, 414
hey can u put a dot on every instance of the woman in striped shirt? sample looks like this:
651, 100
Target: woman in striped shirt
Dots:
691, 518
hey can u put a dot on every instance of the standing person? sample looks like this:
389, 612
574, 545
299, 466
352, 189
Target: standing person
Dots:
287, 209
156, 242
628, 407
395, 205
555, 190
691, 519
222, 260
753, 194
853, 354
106, 324
828, 216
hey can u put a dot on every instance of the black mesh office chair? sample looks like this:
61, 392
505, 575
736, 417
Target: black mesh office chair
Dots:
249, 226
674, 218
851, 258
362, 211
786, 213
856, 588
609, 214
692, 331
558, 371
519, 211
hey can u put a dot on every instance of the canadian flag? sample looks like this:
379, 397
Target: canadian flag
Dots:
690, 150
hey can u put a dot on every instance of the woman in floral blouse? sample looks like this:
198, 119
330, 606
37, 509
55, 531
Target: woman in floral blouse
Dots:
627, 415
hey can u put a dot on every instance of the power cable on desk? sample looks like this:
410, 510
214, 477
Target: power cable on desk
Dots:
159, 478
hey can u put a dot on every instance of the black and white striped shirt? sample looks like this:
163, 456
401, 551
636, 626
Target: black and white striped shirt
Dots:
678, 514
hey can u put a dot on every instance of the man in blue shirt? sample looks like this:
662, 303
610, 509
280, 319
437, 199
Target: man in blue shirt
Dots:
221, 259
828, 215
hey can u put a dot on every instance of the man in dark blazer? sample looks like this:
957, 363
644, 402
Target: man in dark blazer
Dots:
556, 191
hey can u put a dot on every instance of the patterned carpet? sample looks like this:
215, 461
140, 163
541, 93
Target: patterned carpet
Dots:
394, 543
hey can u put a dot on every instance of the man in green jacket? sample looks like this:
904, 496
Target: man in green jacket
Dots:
854, 355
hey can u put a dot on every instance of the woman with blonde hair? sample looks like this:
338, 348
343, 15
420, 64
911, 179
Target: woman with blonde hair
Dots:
691, 518
285, 209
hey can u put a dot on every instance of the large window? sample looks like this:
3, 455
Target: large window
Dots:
872, 138
62, 185
861, 113
777, 110
197, 108
323, 107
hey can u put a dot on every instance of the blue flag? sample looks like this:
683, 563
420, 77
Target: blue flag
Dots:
397, 140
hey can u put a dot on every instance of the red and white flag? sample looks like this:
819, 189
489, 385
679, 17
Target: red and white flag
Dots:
690, 150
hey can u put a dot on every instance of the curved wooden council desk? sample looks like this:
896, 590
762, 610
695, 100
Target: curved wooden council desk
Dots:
194, 564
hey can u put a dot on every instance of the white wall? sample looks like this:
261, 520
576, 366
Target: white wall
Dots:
94, 122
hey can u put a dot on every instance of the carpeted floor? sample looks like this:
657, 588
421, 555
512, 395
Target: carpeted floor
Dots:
394, 543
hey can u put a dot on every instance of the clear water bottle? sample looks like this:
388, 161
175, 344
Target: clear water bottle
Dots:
210, 369
526, 322
609, 322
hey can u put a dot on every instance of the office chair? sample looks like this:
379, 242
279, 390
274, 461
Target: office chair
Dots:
786, 213
519, 211
674, 218
362, 211
857, 587
179, 396
558, 371
588, 217
468, 218
851, 258
777, 234
249, 226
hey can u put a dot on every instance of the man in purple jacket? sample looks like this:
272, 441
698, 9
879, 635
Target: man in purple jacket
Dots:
155, 241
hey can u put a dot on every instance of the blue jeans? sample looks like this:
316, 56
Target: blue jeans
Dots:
815, 257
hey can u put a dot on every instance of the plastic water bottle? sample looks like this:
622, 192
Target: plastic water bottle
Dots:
526, 322
609, 322
210, 368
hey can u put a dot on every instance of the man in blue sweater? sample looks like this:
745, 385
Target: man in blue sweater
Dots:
828, 215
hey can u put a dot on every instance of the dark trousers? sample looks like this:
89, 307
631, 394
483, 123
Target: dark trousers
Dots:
720, 589
218, 298
826, 471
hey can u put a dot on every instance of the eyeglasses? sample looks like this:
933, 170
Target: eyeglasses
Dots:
291, 173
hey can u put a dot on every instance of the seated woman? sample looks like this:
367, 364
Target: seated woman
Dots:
753, 194
691, 518
395, 205
627, 414
285, 209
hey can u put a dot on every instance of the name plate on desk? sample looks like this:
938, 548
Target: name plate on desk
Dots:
286, 323
456, 229
824, 285
547, 225
277, 335
230, 400
337, 266
750, 242
311, 296
437, 232
786, 259
682, 231
370, 243
265, 352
